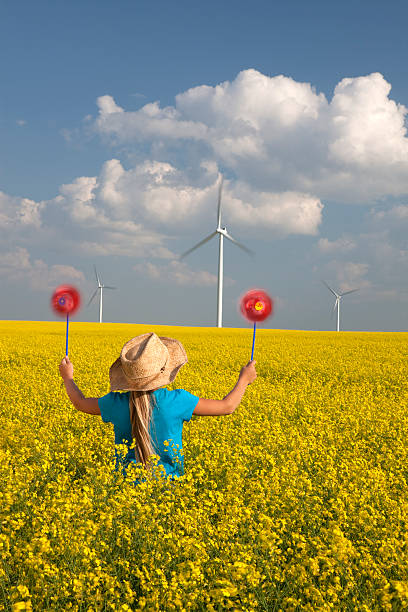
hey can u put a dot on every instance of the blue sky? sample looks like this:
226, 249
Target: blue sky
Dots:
117, 119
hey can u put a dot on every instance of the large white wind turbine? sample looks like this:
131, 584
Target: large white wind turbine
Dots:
100, 288
222, 233
338, 297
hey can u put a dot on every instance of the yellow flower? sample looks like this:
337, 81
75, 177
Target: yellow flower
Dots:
22, 605
294, 502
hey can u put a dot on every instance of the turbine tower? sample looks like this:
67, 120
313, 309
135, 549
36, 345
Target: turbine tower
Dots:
100, 288
338, 297
222, 233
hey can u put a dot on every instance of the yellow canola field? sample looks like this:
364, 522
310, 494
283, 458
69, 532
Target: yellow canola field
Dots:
297, 501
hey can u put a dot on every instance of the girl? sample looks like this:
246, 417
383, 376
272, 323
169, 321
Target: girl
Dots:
149, 413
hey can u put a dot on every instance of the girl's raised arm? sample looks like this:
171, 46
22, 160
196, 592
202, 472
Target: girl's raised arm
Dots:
231, 401
82, 403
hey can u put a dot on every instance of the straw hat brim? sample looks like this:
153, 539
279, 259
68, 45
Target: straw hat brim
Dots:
177, 358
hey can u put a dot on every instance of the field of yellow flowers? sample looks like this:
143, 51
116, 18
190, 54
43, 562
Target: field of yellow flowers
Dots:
297, 501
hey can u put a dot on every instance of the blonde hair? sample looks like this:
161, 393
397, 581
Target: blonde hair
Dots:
141, 408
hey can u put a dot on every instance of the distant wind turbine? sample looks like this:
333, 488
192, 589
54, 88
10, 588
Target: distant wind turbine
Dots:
100, 288
338, 297
222, 232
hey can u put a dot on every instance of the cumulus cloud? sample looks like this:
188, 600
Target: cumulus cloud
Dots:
141, 211
283, 148
104, 219
158, 195
149, 122
18, 266
284, 213
280, 135
16, 211
367, 126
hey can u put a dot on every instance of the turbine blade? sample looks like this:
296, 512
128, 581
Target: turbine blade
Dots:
96, 275
346, 292
330, 289
96, 291
198, 245
334, 308
219, 202
241, 246
108, 287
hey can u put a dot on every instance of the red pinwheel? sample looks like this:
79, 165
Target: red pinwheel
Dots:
65, 301
256, 306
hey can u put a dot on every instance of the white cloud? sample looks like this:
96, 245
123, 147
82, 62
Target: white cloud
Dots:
149, 122
367, 127
108, 106
280, 135
141, 211
158, 195
289, 146
284, 213
80, 196
21, 122
100, 215
136, 211
17, 266
16, 211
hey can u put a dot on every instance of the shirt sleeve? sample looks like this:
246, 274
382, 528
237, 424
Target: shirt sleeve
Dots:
107, 406
186, 403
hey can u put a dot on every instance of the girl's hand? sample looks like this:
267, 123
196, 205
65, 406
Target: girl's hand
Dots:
66, 369
248, 372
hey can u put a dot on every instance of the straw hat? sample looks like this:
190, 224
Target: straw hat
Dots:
147, 362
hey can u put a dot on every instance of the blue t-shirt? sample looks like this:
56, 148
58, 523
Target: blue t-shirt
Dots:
170, 410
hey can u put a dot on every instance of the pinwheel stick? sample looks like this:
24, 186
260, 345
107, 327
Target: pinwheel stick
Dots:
256, 305
253, 342
65, 301
66, 339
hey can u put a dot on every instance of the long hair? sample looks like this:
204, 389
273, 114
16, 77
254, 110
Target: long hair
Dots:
141, 408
